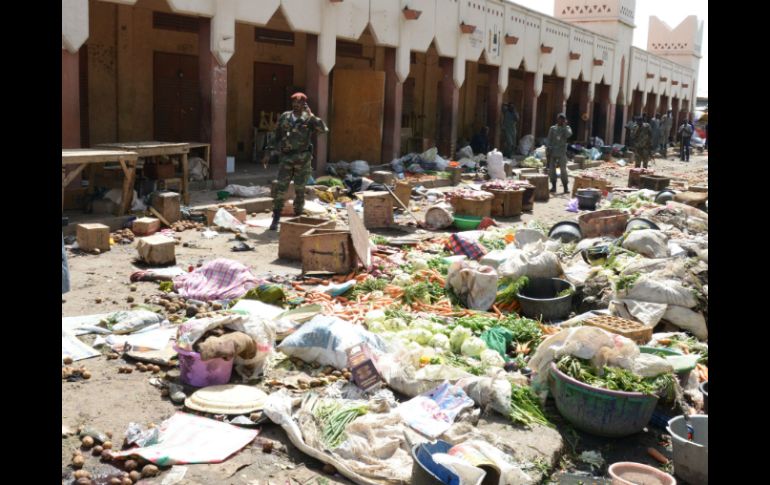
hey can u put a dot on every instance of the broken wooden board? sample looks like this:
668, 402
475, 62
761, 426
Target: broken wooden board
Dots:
360, 237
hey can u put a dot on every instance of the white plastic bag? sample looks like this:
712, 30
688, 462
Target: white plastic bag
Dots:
226, 220
532, 261
465, 152
439, 216
243, 191
647, 242
473, 283
467, 473
654, 290
650, 365
495, 165
198, 169
525, 144
324, 340
687, 319
647, 313
441, 163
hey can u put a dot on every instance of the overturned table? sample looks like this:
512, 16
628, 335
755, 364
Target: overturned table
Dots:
82, 157
150, 149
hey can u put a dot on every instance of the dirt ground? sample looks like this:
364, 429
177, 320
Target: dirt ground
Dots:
110, 401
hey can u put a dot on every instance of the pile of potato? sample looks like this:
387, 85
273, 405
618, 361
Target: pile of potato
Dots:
123, 236
131, 468
180, 226
67, 371
177, 307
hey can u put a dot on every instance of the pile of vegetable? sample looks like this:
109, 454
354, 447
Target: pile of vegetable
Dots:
532, 162
525, 407
469, 194
500, 184
618, 379
333, 417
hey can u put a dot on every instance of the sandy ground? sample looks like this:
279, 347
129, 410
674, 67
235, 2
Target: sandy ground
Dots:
110, 401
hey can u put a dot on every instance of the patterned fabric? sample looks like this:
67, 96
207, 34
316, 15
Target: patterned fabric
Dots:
461, 245
221, 279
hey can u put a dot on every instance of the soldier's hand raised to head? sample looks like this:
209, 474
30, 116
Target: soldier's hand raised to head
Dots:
307, 109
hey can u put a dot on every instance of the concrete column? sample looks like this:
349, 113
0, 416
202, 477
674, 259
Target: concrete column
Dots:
529, 113
394, 96
675, 104
559, 102
450, 101
610, 131
494, 106
70, 100
586, 107
317, 91
213, 85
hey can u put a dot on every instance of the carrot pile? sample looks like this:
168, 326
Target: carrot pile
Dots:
703, 372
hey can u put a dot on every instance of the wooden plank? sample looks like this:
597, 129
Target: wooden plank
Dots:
185, 180
71, 176
360, 237
75, 156
129, 167
149, 149
159, 216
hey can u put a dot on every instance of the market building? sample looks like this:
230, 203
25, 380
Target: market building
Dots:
388, 76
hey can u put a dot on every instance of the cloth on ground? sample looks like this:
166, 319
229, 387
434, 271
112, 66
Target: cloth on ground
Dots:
221, 279
462, 245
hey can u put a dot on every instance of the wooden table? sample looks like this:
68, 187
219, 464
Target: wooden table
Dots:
83, 157
149, 149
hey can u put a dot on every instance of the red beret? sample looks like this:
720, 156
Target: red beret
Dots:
298, 96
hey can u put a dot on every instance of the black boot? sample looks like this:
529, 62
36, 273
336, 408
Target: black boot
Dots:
553, 188
566, 188
276, 220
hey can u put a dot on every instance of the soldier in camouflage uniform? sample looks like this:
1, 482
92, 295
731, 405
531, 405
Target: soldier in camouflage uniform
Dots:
292, 140
557, 151
641, 134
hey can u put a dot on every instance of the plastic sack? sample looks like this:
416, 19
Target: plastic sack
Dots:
687, 319
532, 261
645, 312
198, 169
526, 144
650, 365
324, 340
483, 454
243, 191
415, 168
439, 216
647, 242
397, 165
262, 330
474, 284
596, 141
434, 412
595, 154
429, 155
657, 290
441, 163
359, 168
116, 196
226, 220
125, 322
192, 330
495, 165
540, 153
467, 163
465, 152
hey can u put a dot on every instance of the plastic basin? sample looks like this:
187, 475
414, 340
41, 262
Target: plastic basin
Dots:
704, 388
612, 414
587, 202
202, 373
640, 223
630, 473
425, 471
539, 301
691, 458
467, 223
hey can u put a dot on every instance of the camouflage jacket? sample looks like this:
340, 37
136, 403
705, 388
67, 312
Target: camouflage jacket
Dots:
642, 136
557, 139
295, 135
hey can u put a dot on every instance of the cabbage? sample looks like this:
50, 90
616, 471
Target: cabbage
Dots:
417, 261
375, 316
395, 324
473, 347
458, 336
436, 327
402, 279
375, 326
419, 335
422, 323
492, 358
440, 341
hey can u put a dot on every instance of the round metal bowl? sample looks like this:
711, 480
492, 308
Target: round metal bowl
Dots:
665, 196
641, 223
540, 300
566, 231
587, 202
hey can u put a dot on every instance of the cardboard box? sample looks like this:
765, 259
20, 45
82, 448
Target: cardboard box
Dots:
157, 250
146, 226
93, 236
361, 365
168, 204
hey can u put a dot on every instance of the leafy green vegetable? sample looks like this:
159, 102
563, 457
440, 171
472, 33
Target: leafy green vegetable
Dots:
508, 289
438, 263
524, 329
626, 282
617, 379
492, 243
424, 291
166, 286
367, 286
391, 313
334, 418
565, 292
525, 407
377, 239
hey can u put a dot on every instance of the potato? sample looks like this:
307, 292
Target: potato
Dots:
97, 451
149, 471
115, 481
78, 461
126, 481
164, 392
107, 445
86, 375
83, 481
106, 455
129, 370
87, 442
155, 369
130, 465
67, 360
135, 476
81, 474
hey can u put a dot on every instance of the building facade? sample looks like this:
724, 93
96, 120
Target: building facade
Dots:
389, 76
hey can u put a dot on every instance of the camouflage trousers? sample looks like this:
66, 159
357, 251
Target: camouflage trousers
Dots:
643, 157
293, 167
561, 162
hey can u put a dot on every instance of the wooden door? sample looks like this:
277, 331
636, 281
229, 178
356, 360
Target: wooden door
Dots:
272, 83
176, 97
358, 102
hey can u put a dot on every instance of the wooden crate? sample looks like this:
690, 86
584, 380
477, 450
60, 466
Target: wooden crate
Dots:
289, 237
635, 176
582, 182
635, 331
608, 222
159, 170
403, 191
327, 250
378, 209
383, 177
168, 204
157, 250
146, 226
93, 236
540, 181
477, 208
507, 203
528, 199
654, 182
580, 160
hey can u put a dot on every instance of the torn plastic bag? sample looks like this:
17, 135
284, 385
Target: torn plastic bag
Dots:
464, 152
441, 163
656, 290
647, 313
226, 220
651, 365
532, 261
125, 322
359, 168
647, 242
474, 284
687, 319
429, 155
